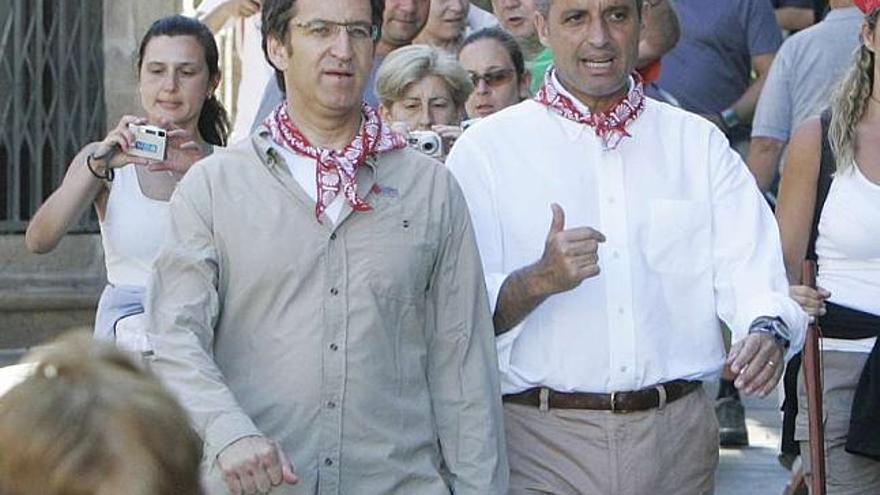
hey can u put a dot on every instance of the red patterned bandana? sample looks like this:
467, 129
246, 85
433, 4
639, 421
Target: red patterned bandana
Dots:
867, 6
336, 170
610, 126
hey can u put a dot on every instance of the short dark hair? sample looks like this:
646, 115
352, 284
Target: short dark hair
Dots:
213, 119
507, 41
276, 16
543, 6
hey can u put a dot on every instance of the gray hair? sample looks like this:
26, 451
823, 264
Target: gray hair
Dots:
410, 64
543, 6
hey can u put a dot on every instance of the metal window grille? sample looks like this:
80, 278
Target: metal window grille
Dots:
51, 99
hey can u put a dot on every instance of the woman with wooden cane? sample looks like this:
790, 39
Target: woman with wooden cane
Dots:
829, 211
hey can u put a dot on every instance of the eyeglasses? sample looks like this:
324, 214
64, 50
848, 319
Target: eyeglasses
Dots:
493, 79
321, 29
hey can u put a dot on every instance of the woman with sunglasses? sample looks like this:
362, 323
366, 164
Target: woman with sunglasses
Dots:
421, 88
495, 64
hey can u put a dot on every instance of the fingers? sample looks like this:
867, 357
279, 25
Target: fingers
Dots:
232, 483
745, 352
584, 234
287, 474
248, 484
811, 300
762, 370
557, 224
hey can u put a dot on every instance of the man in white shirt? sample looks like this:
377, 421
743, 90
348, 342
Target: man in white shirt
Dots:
656, 234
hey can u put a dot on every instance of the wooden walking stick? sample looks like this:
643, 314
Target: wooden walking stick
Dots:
813, 380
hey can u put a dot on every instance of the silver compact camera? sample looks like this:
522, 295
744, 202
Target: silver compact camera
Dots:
149, 142
427, 142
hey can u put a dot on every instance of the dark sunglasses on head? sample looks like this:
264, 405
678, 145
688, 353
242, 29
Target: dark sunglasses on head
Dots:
493, 79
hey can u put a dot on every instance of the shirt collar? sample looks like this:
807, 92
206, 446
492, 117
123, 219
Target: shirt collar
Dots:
267, 150
573, 130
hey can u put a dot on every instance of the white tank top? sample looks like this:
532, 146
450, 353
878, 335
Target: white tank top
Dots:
132, 230
848, 249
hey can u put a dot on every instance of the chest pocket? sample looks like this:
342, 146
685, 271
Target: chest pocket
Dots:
679, 237
392, 250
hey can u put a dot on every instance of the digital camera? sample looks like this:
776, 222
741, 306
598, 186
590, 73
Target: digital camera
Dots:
427, 142
149, 142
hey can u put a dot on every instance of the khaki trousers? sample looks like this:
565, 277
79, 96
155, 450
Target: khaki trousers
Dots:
669, 451
845, 473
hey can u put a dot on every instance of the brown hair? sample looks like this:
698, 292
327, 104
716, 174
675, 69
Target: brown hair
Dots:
88, 421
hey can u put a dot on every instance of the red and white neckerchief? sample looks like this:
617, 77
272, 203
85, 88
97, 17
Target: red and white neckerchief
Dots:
610, 126
336, 170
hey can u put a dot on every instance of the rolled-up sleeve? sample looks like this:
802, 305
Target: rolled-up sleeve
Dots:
462, 371
749, 276
182, 305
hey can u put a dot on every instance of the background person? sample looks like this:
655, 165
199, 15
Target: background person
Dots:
177, 73
425, 89
446, 26
799, 85
495, 65
257, 88
87, 420
829, 211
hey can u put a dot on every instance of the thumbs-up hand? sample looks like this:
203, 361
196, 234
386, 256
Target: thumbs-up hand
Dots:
570, 256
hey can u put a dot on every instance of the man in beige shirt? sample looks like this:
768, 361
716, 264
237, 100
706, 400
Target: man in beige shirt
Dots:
319, 307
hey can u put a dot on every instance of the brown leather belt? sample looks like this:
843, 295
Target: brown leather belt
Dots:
618, 402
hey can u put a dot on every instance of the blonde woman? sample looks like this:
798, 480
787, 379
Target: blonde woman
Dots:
87, 420
829, 210
419, 87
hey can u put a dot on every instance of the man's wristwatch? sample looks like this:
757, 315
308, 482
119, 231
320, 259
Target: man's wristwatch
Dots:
774, 327
730, 118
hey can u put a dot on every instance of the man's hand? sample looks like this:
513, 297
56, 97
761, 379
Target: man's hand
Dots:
757, 362
254, 465
570, 256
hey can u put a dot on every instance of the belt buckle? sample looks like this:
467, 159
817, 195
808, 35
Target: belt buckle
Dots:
614, 402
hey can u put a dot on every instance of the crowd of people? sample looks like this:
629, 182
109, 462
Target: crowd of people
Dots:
472, 249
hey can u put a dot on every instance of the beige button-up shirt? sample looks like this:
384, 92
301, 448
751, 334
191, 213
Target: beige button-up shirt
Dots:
365, 348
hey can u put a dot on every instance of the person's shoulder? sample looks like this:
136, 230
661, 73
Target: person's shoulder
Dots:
519, 118
668, 115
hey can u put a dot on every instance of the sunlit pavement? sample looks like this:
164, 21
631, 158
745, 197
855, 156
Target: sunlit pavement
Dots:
754, 470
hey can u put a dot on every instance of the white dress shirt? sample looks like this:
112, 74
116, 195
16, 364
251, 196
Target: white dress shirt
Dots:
689, 240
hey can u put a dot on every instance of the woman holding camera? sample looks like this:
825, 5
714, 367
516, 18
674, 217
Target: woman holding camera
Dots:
829, 211
177, 74
421, 88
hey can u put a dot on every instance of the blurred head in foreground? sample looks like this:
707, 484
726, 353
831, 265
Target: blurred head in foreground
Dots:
88, 421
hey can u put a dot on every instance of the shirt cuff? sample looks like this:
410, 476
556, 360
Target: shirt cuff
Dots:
773, 305
225, 430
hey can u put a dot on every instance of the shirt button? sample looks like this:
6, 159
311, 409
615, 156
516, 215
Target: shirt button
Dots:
334, 291
334, 347
620, 311
610, 200
328, 462
623, 369
616, 254
331, 405
333, 236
